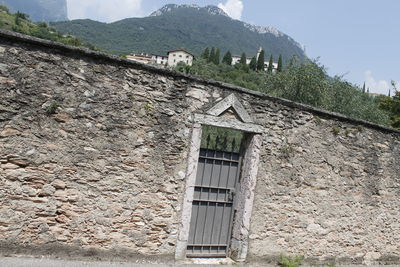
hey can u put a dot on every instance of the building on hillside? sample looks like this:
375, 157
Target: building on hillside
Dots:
376, 94
160, 59
179, 55
141, 58
274, 66
171, 59
236, 59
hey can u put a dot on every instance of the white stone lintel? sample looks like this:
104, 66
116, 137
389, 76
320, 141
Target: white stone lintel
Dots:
227, 123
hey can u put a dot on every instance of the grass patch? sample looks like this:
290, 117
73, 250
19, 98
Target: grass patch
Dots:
52, 108
290, 261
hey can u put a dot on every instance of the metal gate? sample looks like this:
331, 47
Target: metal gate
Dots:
212, 210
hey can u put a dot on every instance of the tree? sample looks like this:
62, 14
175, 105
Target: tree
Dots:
363, 88
243, 59
241, 65
17, 18
227, 58
42, 24
392, 105
280, 64
260, 61
182, 67
212, 55
394, 85
217, 56
305, 83
5, 9
270, 64
206, 53
253, 64
308, 83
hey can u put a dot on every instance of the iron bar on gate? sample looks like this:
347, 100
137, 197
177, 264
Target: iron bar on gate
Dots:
216, 180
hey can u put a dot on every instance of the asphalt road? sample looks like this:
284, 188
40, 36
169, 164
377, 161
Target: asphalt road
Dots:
35, 262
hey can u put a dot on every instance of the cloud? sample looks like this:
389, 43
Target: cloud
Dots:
104, 10
233, 8
378, 86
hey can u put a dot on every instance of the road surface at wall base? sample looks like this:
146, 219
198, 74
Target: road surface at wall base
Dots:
35, 262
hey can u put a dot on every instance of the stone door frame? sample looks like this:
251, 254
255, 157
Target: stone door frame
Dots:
245, 197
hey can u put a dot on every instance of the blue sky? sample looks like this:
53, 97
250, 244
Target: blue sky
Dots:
359, 39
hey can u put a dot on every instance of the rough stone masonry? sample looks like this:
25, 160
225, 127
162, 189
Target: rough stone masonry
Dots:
93, 155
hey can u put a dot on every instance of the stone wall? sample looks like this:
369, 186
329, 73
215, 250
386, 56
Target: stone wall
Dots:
328, 190
93, 154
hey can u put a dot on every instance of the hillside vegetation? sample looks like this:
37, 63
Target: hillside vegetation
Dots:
308, 83
19, 22
392, 105
181, 27
302, 81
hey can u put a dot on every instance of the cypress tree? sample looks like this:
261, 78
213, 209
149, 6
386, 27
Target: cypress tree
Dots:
206, 54
363, 89
217, 56
227, 58
243, 59
280, 64
271, 64
211, 56
260, 61
17, 18
253, 64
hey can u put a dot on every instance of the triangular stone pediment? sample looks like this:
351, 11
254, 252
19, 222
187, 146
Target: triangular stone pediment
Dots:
230, 113
232, 108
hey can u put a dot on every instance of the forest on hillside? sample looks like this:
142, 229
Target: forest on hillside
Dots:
300, 81
181, 27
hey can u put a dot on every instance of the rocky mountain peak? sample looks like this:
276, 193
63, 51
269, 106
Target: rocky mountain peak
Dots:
213, 10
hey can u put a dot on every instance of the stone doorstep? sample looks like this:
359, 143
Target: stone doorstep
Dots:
209, 262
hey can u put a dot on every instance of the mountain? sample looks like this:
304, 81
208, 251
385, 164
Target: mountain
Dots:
39, 10
183, 26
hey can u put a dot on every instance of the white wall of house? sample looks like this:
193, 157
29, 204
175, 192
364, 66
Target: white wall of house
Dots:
174, 57
160, 60
145, 59
236, 59
274, 66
